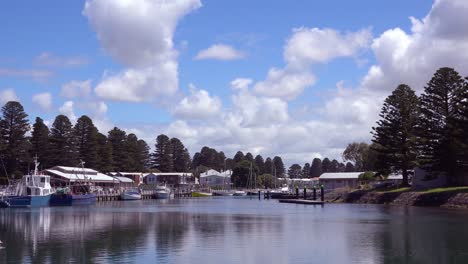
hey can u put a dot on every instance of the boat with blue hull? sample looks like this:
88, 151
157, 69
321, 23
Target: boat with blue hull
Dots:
32, 190
84, 199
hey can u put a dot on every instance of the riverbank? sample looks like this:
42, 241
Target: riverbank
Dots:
455, 197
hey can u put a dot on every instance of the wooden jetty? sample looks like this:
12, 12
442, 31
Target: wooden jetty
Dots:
301, 201
145, 194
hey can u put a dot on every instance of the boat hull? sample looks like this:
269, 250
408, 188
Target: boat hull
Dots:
163, 195
223, 194
130, 196
241, 193
25, 201
60, 199
84, 199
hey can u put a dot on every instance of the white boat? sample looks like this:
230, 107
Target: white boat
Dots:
239, 193
163, 192
131, 194
33, 190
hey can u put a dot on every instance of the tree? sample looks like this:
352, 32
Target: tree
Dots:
162, 157
249, 157
316, 168
439, 146
395, 133
260, 164
40, 143
334, 166
180, 156
279, 167
104, 151
240, 174
238, 157
143, 156
357, 154
268, 166
13, 128
230, 164
326, 164
62, 143
120, 155
350, 167
306, 170
86, 139
295, 171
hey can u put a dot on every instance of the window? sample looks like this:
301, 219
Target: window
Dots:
42, 179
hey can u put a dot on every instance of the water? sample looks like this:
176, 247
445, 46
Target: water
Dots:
232, 230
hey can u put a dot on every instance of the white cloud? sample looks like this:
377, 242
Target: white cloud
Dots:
49, 59
241, 83
220, 52
75, 89
7, 95
199, 105
303, 49
67, 109
34, 74
43, 100
150, 55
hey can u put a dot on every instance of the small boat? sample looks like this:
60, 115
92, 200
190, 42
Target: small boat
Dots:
131, 194
201, 194
33, 190
283, 192
239, 193
163, 192
223, 193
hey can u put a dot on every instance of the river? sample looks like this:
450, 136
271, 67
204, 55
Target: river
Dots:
232, 230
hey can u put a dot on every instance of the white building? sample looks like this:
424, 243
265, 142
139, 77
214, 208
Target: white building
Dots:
62, 175
170, 178
333, 180
215, 178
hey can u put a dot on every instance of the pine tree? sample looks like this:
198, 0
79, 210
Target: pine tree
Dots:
357, 154
86, 139
62, 143
180, 156
279, 167
249, 157
269, 166
120, 155
395, 131
350, 167
239, 157
13, 128
40, 143
295, 171
306, 170
104, 150
162, 157
326, 164
334, 166
260, 164
143, 156
316, 168
440, 148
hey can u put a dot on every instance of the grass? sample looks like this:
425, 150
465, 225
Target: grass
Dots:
197, 194
448, 189
397, 190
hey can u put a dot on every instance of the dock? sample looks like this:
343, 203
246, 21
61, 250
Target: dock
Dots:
301, 201
145, 194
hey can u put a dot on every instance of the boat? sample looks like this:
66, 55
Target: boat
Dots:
282, 192
32, 190
239, 193
131, 194
223, 193
201, 194
163, 192
61, 197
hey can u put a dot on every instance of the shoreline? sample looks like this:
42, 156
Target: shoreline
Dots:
445, 199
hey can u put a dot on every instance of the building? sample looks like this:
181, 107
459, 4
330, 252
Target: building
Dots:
309, 183
125, 182
62, 176
214, 178
334, 180
136, 177
173, 179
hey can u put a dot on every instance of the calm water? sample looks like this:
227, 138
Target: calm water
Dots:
232, 230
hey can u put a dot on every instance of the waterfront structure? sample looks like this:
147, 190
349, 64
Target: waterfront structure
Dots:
136, 177
172, 179
304, 182
333, 180
64, 176
124, 181
214, 178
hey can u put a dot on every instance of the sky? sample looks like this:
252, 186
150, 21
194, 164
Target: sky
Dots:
299, 79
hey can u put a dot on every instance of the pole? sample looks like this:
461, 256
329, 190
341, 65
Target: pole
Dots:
322, 194
305, 193
315, 193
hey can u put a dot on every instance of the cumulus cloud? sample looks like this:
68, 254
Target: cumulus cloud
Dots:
220, 52
7, 95
50, 59
75, 89
304, 48
68, 110
43, 100
150, 56
199, 105
241, 83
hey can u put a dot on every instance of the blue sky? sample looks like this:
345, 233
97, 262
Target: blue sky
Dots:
343, 55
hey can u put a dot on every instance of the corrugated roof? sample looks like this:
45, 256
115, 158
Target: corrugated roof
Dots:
77, 177
74, 169
339, 175
124, 179
188, 174
216, 173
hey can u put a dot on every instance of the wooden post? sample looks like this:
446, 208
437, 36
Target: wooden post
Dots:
297, 193
305, 193
322, 193
315, 193
259, 194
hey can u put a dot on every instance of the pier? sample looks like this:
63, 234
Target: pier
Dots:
145, 195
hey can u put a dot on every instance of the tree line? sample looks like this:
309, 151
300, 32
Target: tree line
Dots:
428, 131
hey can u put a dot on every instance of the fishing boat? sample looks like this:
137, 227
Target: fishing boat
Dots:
239, 193
163, 192
131, 194
282, 192
61, 197
32, 190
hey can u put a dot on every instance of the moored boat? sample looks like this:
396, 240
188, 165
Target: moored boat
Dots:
131, 194
239, 193
163, 192
223, 193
